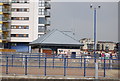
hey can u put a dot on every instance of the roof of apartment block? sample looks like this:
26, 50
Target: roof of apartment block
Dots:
56, 37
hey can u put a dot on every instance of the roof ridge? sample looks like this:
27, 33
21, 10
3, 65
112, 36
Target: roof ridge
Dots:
51, 32
68, 35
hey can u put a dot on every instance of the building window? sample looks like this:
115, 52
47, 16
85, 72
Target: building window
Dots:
20, 18
41, 20
41, 29
20, 1
19, 27
19, 35
98, 47
41, 3
41, 11
39, 35
20, 9
90, 46
107, 48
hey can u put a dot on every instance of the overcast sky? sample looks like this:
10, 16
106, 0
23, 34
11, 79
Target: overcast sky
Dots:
85, 0
78, 17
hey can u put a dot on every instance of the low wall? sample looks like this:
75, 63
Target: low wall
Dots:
54, 78
57, 79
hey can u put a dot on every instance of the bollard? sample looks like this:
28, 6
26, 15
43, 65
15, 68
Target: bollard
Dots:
7, 65
96, 70
45, 66
25, 64
84, 67
64, 66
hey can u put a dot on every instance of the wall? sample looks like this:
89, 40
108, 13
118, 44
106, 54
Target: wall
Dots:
20, 47
58, 80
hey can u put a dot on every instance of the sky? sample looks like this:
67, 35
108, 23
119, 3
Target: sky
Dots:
78, 18
85, 0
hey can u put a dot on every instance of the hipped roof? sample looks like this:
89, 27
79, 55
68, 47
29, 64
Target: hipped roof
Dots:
56, 38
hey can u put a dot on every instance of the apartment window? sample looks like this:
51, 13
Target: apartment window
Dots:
19, 35
39, 35
41, 20
41, 11
20, 9
20, 18
20, 1
19, 27
41, 29
41, 3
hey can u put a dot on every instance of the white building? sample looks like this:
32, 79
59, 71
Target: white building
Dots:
101, 45
29, 20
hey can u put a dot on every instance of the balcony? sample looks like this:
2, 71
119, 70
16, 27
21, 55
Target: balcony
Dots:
47, 14
5, 29
6, 10
47, 5
6, 2
4, 19
47, 23
4, 38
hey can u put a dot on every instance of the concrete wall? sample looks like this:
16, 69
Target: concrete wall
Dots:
57, 80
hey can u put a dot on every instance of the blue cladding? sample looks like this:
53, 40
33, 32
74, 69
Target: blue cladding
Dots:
21, 47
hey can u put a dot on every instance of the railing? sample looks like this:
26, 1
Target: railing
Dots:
5, 29
5, 19
6, 2
6, 10
47, 13
53, 65
47, 5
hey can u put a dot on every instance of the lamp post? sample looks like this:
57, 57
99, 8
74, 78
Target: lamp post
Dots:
95, 28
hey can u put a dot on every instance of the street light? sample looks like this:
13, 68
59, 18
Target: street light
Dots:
95, 29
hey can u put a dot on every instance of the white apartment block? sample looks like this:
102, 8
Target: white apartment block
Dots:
29, 20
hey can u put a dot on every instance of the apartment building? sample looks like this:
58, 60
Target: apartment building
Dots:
5, 15
29, 20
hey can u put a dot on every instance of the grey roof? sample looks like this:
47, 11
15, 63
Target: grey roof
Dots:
56, 37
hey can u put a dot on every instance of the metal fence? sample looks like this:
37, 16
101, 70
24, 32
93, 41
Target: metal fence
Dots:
52, 65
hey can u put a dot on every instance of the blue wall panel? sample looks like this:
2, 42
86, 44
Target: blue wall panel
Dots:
21, 47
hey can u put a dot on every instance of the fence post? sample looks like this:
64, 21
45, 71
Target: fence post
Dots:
81, 60
104, 66
84, 66
111, 63
12, 60
53, 61
96, 70
25, 64
45, 66
64, 66
7, 65
39, 61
